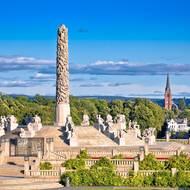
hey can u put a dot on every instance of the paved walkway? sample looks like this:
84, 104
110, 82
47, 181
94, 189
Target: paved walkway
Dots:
32, 186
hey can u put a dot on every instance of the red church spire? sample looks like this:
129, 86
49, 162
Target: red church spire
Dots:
168, 95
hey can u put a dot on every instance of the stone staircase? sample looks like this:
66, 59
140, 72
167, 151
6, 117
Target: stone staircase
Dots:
10, 170
89, 136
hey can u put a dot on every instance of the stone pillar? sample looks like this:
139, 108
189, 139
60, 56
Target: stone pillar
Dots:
136, 165
39, 153
146, 147
50, 146
167, 136
62, 73
142, 153
6, 147
26, 167
114, 152
62, 170
173, 171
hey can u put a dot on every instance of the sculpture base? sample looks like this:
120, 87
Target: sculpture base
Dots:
62, 112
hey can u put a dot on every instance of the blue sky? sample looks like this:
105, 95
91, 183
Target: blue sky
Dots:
122, 47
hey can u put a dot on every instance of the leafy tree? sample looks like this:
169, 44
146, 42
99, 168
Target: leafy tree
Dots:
147, 114
182, 104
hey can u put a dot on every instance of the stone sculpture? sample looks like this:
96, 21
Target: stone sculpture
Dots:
62, 82
121, 121
149, 135
32, 127
100, 121
85, 122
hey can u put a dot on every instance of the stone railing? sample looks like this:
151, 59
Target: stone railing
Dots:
122, 173
182, 141
163, 153
44, 173
55, 174
116, 162
149, 172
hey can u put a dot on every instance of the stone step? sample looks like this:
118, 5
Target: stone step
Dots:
11, 170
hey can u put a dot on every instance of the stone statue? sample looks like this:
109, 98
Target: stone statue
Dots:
148, 132
62, 82
2, 126
69, 126
3, 122
9, 123
150, 135
34, 125
85, 122
121, 121
109, 120
100, 121
135, 127
27, 134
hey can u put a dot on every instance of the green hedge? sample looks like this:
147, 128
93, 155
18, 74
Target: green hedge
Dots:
46, 166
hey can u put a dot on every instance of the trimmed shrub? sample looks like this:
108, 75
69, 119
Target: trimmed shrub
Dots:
46, 166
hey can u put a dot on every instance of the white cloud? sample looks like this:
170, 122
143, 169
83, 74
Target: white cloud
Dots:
21, 60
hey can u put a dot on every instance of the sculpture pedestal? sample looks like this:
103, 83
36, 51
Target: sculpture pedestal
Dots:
62, 112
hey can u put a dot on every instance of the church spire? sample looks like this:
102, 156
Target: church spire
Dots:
168, 83
168, 95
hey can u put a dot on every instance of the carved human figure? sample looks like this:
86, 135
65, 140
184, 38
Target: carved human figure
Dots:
11, 123
109, 120
121, 121
3, 121
69, 124
85, 122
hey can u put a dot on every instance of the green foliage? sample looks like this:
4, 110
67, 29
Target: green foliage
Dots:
181, 162
103, 163
151, 163
185, 114
183, 179
102, 173
169, 114
45, 166
74, 164
145, 112
182, 104
83, 155
161, 179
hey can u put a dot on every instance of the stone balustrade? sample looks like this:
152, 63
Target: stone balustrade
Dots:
149, 172
116, 162
44, 173
182, 141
